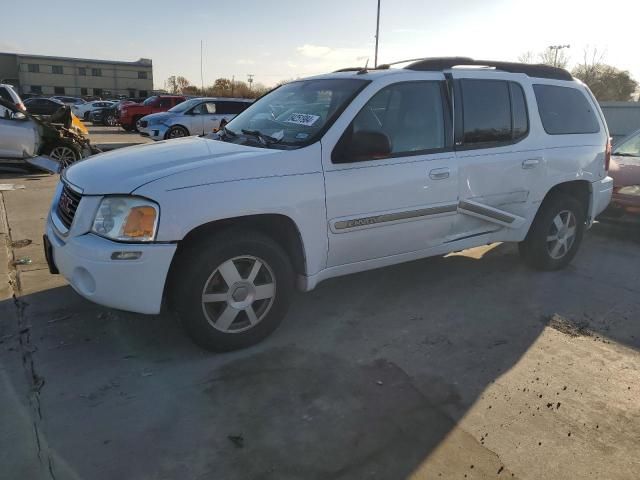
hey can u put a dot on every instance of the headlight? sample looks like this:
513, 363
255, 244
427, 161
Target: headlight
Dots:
631, 190
127, 219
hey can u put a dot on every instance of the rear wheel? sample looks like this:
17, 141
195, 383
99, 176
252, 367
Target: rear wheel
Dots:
110, 120
232, 290
555, 235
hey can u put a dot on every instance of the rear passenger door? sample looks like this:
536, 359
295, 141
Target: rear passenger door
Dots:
500, 165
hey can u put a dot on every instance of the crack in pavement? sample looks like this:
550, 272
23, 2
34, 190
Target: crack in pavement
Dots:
27, 349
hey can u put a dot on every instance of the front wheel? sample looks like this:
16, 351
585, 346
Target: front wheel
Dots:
64, 153
176, 132
555, 235
232, 290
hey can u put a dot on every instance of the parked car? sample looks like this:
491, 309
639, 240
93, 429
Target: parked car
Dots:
333, 175
43, 106
69, 101
84, 110
196, 116
108, 116
625, 171
8, 93
24, 136
131, 113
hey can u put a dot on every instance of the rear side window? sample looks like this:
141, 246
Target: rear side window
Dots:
5, 95
494, 112
232, 108
565, 110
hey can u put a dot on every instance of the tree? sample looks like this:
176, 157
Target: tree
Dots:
606, 82
551, 56
177, 84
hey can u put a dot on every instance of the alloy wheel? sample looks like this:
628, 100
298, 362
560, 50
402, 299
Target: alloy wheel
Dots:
177, 133
562, 234
64, 155
239, 294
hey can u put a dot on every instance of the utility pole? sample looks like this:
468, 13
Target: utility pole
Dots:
375, 62
250, 79
556, 49
201, 70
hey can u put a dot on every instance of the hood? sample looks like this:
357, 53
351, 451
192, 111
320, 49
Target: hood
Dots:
624, 171
126, 169
157, 117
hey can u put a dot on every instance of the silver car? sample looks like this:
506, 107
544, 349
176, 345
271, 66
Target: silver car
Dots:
197, 116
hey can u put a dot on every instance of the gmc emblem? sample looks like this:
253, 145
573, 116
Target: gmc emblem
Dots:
65, 203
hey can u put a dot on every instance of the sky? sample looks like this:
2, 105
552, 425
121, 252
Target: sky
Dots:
283, 39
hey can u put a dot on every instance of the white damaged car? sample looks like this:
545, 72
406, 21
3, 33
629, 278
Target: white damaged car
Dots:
332, 175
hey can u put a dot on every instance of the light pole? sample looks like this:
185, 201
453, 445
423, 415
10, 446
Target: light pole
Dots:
556, 49
375, 62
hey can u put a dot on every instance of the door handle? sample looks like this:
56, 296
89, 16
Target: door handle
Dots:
531, 163
439, 173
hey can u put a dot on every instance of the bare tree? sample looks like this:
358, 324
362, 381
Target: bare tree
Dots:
554, 57
527, 57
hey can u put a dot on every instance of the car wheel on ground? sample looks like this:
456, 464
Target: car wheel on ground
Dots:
134, 127
65, 153
126, 128
232, 290
86, 116
110, 120
556, 233
176, 132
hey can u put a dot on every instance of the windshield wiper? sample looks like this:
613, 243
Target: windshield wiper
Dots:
625, 155
264, 138
229, 132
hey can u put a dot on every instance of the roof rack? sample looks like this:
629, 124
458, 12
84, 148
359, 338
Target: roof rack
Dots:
444, 63
362, 69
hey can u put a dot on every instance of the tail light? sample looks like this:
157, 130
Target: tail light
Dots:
607, 155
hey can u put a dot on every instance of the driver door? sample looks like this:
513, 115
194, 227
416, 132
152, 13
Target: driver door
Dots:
403, 198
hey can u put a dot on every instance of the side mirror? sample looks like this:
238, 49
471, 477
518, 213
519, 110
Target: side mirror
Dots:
18, 116
366, 145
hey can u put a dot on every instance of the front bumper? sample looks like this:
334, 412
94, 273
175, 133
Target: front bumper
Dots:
154, 132
132, 285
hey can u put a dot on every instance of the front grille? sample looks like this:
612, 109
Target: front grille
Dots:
67, 205
144, 123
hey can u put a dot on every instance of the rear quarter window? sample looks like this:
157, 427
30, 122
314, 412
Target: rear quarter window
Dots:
4, 94
565, 110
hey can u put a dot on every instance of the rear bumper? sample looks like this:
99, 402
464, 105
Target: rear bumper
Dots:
601, 192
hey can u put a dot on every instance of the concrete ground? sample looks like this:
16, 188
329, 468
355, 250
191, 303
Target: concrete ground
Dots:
110, 138
468, 366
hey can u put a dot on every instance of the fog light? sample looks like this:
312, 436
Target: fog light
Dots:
126, 255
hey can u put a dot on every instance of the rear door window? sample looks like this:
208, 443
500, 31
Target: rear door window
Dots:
5, 95
493, 113
565, 110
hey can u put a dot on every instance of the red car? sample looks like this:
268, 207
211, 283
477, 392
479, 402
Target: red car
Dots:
625, 171
131, 113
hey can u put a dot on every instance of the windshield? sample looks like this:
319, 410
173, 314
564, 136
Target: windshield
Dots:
184, 106
150, 100
295, 114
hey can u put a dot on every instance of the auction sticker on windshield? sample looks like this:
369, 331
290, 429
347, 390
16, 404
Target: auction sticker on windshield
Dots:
305, 119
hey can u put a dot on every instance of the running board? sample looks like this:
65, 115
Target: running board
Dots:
490, 214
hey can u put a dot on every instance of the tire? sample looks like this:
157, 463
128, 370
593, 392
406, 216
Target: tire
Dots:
109, 120
66, 153
550, 244
176, 131
126, 128
134, 127
221, 267
86, 117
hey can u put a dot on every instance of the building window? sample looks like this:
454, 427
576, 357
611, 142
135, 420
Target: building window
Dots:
142, 75
84, 91
57, 69
97, 92
143, 94
58, 90
33, 68
82, 72
96, 72
36, 89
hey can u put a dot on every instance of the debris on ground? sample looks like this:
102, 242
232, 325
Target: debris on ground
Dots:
237, 440
567, 326
21, 243
22, 261
4, 187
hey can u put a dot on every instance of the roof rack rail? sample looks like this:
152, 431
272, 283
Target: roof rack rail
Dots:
532, 70
362, 69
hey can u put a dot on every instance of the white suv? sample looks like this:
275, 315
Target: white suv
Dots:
332, 175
